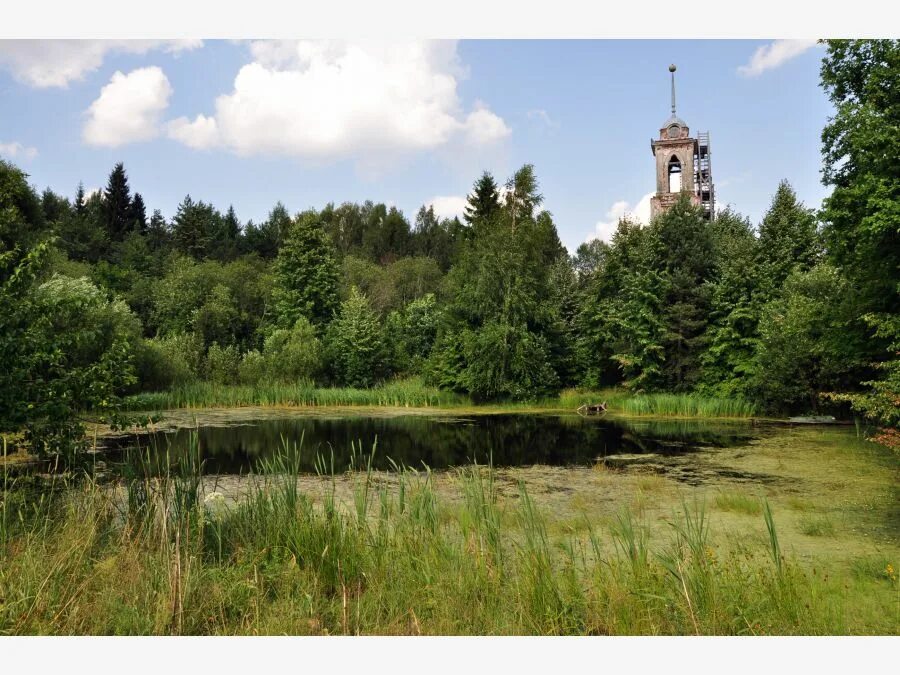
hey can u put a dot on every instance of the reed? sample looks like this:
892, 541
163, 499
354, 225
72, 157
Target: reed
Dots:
385, 554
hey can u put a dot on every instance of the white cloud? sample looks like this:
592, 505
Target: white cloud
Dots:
773, 55
327, 100
16, 150
56, 63
200, 134
542, 116
605, 229
448, 207
128, 109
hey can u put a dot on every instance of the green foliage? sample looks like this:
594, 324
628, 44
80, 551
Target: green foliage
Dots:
161, 363
502, 309
306, 273
787, 239
861, 161
221, 302
354, 344
81, 354
117, 205
803, 349
484, 201
222, 364
411, 333
619, 325
682, 245
881, 402
194, 228
735, 306
293, 354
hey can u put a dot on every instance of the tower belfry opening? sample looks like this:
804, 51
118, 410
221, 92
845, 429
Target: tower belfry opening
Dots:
683, 164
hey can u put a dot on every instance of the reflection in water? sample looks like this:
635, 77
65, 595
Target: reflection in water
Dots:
441, 441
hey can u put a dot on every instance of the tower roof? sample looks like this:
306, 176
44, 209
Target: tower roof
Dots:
674, 119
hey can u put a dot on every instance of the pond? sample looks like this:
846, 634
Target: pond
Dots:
235, 444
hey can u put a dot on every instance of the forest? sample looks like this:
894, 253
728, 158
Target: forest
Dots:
102, 298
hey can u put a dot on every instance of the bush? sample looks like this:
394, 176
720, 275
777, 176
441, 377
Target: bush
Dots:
355, 343
222, 364
252, 368
171, 361
293, 354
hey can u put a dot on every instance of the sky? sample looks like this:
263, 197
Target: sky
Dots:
410, 123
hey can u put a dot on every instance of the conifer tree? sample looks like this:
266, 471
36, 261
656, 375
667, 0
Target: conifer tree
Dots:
484, 202
138, 214
787, 238
355, 343
117, 204
306, 274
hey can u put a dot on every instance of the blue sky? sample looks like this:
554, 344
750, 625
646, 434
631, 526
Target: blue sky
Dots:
310, 123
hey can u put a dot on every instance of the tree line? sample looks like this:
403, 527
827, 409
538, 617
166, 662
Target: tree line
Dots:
98, 300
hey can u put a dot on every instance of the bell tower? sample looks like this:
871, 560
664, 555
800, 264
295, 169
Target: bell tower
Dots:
682, 165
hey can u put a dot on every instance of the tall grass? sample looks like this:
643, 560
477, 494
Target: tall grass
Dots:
413, 393
660, 405
367, 553
401, 393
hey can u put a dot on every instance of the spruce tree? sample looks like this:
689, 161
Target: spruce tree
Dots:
484, 202
157, 231
117, 204
79, 199
138, 214
683, 253
355, 345
787, 238
306, 274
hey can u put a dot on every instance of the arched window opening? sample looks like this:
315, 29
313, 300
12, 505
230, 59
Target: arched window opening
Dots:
674, 175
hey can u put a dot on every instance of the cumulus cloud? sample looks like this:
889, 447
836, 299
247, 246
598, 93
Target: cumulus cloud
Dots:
16, 150
56, 63
200, 134
773, 55
448, 206
327, 100
128, 109
640, 212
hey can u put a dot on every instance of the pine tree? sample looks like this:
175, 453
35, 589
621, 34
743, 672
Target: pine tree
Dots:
484, 202
117, 204
306, 274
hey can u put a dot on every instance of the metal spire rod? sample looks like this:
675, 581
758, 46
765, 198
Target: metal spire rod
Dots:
672, 70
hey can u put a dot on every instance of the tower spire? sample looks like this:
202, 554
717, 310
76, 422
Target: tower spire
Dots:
672, 70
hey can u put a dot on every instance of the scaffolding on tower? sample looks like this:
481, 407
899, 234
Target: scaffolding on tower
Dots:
703, 182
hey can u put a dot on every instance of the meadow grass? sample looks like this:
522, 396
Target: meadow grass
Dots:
158, 552
739, 502
817, 526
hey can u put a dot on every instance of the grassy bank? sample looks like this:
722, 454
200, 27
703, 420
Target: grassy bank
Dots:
401, 393
390, 554
413, 393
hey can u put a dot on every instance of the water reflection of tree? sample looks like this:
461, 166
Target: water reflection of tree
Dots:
440, 442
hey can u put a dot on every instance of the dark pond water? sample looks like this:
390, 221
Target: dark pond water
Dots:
439, 441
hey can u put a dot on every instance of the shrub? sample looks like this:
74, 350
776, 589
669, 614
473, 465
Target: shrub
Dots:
222, 364
293, 354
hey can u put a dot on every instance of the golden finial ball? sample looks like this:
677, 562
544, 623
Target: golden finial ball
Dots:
672, 68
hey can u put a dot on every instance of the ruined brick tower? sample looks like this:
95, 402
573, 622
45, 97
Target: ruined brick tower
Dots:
682, 165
